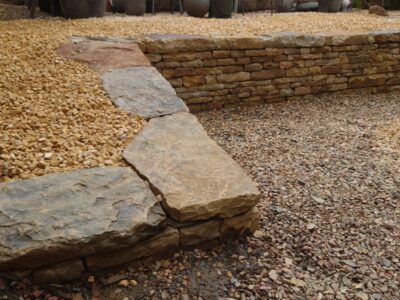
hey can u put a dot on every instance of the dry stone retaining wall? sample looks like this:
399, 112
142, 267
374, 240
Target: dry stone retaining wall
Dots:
210, 73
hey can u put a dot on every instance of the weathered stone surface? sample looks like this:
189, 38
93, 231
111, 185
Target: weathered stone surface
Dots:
241, 225
62, 272
198, 233
197, 179
142, 91
165, 241
56, 217
104, 56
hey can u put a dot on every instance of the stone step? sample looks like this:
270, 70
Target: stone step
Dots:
50, 219
142, 91
104, 54
197, 179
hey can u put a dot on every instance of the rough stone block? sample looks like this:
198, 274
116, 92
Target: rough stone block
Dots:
57, 217
143, 92
366, 81
103, 56
198, 233
164, 241
197, 179
63, 272
234, 77
267, 74
240, 225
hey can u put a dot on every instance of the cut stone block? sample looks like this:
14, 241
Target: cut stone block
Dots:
49, 219
162, 242
241, 225
103, 56
143, 92
197, 179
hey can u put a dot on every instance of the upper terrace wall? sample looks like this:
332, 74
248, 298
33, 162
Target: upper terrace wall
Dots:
219, 72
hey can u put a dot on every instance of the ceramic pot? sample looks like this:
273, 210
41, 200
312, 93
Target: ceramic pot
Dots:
135, 7
307, 6
118, 6
221, 8
329, 5
56, 8
44, 5
197, 8
76, 9
284, 5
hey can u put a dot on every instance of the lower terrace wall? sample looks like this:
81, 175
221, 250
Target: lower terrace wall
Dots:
211, 73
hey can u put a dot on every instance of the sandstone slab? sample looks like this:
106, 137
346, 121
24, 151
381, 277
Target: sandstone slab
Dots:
163, 242
240, 225
103, 56
142, 91
199, 233
196, 178
62, 272
57, 217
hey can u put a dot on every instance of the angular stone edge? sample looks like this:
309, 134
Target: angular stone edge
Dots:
228, 204
172, 43
170, 104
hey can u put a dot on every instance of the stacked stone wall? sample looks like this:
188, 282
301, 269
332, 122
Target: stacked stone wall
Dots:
214, 73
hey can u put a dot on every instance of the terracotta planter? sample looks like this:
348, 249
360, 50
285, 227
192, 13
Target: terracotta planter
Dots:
135, 7
197, 8
76, 9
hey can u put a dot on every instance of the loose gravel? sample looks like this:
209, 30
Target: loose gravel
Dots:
329, 172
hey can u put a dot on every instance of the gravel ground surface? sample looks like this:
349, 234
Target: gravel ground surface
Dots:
328, 170
52, 108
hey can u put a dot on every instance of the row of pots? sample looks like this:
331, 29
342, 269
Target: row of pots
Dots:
74, 9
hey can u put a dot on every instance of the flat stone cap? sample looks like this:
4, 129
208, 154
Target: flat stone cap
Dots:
142, 91
197, 179
52, 218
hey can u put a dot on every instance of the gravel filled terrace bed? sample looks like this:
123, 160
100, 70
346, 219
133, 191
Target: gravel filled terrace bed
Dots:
55, 115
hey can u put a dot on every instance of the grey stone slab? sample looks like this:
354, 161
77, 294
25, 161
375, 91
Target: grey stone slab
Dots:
197, 179
53, 218
142, 91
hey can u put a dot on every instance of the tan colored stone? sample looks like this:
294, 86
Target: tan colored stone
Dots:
234, 77
300, 91
189, 81
103, 56
267, 74
366, 81
198, 233
240, 225
197, 179
162, 242
297, 72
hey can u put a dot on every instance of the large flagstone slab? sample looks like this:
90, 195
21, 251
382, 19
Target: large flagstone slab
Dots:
53, 218
197, 179
142, 91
